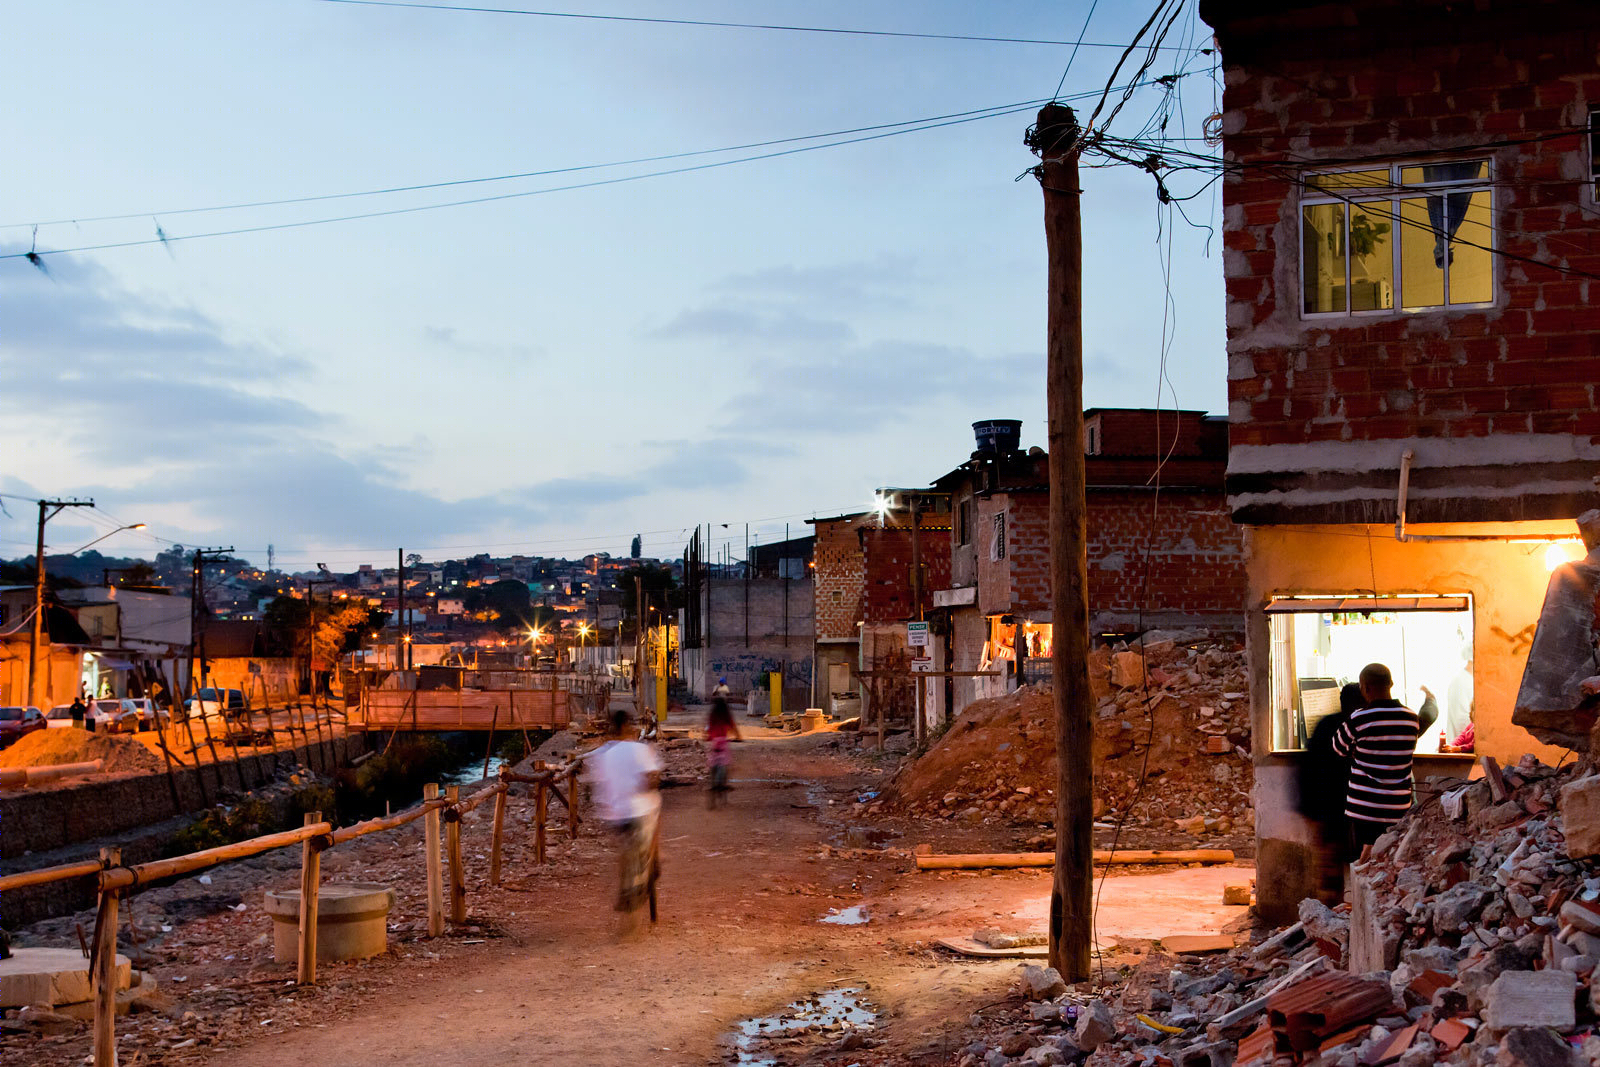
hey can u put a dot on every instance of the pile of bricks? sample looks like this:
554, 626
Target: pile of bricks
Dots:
1472, 938
1183, 695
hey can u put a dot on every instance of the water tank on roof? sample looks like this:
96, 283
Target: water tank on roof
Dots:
998, 435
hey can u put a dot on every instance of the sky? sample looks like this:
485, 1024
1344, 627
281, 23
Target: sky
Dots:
550, 374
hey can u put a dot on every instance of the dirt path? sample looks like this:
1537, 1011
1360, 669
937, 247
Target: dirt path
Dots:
741, 895
539, 975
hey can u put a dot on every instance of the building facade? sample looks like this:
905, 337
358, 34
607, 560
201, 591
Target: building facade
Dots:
1411, 249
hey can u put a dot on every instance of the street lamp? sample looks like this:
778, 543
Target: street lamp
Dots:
102, 537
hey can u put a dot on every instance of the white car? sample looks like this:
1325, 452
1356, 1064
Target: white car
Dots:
60, 717
229, 703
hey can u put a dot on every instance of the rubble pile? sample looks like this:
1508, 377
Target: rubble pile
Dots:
1473, 939
1184, 694
50, 747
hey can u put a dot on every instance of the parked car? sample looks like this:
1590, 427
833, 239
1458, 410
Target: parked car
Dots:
16, 722
150, 716
60, 717
229, 703
112, 715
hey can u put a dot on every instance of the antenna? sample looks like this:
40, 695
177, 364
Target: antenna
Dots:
270, 554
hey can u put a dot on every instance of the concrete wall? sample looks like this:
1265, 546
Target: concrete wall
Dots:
1507, 584
276, 681
38, 820
66, 672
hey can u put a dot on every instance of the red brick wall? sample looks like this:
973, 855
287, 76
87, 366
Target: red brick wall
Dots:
1370, 82
886, 594
1195, 561
1146, 432
838, 575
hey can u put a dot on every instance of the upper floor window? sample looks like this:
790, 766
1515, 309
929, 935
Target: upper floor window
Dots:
1410, 236
997, 542
1594, 152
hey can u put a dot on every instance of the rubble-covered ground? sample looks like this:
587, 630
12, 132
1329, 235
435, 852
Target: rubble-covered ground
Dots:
1473, 939
1174, 718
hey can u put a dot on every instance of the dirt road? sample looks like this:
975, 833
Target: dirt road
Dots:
539, 975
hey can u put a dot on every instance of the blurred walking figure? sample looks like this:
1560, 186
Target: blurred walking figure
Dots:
720, 730
627, 782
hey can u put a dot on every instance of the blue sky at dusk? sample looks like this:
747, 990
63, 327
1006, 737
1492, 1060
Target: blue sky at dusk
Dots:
551, 373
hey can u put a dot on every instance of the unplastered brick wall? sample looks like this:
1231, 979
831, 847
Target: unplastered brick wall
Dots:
1191, 549
1375, 83
886, 594
839, 576
1176, 560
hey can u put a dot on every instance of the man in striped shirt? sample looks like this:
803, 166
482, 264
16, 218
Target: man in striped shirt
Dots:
1378, 739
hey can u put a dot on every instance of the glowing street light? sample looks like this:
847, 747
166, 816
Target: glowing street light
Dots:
102, 537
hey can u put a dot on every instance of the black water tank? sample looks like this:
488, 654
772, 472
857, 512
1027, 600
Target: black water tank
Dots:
998, 435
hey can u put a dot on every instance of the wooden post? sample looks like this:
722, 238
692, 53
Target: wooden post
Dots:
104, 975
452, 848
488, 749
499, 832
430, 823
541, 810
310, 881
1056, 140
572, 801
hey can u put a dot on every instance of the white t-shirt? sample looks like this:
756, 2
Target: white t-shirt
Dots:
619, 770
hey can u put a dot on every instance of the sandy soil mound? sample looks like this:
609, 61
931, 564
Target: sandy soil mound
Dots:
47, 747
998, 757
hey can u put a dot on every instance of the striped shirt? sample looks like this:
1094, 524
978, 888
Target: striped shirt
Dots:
1379, 742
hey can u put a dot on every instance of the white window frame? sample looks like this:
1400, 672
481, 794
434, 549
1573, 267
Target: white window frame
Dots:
1594, 154
1391, 194
997, 537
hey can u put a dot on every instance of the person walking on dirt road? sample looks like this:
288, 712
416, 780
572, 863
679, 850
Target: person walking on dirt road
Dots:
627, 781
720, 730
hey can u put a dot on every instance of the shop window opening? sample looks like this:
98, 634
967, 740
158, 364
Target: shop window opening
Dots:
1319, 644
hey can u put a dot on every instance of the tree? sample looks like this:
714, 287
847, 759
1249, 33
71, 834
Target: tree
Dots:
510, 603
637, 547
660, 589
338, 633
283, 626
413, 559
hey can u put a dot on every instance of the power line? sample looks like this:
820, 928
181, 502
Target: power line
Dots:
174, 238
1076, 45
834, 30
419, 187
161, 238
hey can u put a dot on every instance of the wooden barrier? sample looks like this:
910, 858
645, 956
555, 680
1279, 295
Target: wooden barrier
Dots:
314, 837
1102, 858
430, 839
310, 879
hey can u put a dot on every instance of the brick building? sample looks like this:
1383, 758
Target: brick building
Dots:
1162, 550
1412, 246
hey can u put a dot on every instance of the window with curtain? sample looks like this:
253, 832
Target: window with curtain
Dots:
1407, 237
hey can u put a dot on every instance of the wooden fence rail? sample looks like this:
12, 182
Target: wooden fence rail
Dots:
315, 837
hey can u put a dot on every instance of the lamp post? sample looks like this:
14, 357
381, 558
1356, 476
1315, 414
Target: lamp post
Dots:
48, 509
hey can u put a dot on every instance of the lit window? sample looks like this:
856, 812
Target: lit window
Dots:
1594, 151
1352, 262
1321, 644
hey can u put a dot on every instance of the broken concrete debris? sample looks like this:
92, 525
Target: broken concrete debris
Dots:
1472, 938
1185, 699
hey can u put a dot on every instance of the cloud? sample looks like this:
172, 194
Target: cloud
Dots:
887, 281
732, 326
863, 388
111, 372
449, 337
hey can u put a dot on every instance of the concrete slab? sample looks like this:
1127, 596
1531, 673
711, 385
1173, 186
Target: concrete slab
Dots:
51, 976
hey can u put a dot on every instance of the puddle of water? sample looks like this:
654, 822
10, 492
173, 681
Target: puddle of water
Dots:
837, 1011
854, 915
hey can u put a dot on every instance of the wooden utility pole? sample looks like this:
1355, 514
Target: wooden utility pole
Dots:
1055, 138
638, 648
39, 695
400, 615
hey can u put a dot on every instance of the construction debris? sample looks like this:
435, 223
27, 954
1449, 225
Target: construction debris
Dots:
1473, 939
1184, 696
